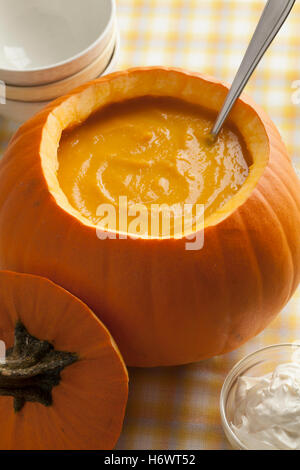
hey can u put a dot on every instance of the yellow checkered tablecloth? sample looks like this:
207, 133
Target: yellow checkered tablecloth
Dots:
178, 407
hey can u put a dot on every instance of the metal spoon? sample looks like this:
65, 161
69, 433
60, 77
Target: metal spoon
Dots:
274, 15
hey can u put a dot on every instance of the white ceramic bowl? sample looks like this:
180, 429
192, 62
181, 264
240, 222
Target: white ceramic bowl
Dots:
256, 364
19, 111
51, 91
43, 41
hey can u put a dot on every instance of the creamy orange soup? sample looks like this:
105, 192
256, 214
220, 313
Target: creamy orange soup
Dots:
152, 151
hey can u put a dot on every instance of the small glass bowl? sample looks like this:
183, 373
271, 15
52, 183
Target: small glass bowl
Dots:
261, 362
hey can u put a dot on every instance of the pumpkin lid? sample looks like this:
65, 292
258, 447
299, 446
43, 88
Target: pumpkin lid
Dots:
63, 384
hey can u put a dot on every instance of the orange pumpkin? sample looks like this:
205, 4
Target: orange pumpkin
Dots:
64, 384
163, 304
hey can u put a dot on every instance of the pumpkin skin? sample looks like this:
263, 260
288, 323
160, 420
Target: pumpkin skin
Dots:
163, 304
89, 402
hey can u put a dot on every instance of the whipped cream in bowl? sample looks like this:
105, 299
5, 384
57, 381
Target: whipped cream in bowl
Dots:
260, 400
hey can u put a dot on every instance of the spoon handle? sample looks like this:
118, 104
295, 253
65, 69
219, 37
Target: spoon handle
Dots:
274, 15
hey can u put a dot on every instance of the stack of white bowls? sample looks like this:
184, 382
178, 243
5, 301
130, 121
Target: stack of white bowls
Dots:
47, 48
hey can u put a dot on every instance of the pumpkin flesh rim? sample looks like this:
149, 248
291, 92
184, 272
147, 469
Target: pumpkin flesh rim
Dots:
75, 108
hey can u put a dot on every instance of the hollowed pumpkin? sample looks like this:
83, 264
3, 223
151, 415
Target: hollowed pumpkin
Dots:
64, 384
164, 304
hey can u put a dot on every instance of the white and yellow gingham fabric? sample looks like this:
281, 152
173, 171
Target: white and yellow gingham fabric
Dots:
178, 407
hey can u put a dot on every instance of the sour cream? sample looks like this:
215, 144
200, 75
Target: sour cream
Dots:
267, 409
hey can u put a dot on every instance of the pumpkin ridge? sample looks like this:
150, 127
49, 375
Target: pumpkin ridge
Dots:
229, 328
284, 238
253, 257
18, 219
13, 183
155, 312
31, 242
286, 187
292, 201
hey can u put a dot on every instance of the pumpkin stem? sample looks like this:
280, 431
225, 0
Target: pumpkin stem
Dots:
31, 369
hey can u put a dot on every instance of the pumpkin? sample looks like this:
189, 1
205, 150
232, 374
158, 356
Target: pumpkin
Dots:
63, 384
164, 305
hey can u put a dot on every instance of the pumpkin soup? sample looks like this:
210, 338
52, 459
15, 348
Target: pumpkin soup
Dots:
152, 150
